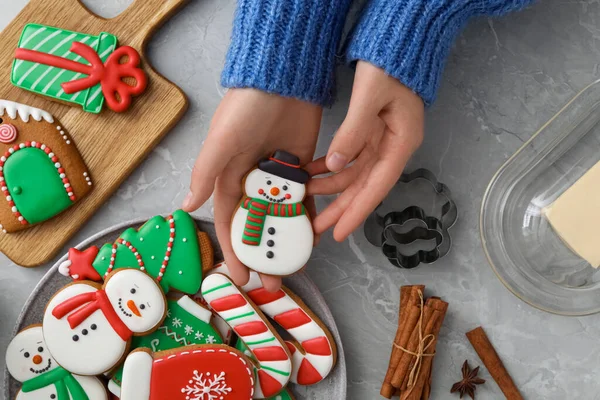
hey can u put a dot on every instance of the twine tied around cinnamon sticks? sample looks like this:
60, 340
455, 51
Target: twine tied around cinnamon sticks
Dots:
413, 349
421, 347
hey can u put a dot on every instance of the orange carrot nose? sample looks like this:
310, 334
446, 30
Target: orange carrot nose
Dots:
131, 305
37, 359
274, 191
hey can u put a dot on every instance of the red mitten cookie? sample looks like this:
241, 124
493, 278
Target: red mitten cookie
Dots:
192, 372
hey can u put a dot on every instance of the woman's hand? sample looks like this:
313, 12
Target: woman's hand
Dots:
382, 129
249, 124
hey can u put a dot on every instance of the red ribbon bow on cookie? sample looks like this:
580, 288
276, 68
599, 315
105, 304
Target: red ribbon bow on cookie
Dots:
110, 75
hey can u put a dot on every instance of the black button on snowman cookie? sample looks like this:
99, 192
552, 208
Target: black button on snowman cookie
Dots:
270, 231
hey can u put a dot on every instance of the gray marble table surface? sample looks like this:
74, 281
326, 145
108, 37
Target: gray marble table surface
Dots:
504, 79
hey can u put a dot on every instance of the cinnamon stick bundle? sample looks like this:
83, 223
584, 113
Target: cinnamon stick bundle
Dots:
493, 363
418, 391
408, 315
433, 314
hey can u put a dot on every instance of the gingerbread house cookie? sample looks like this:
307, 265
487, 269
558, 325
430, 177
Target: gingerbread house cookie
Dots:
41, 172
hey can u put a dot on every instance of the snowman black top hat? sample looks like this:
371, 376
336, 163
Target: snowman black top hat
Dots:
285, 165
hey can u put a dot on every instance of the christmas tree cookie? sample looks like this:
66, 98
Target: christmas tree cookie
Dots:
170, 249
41, 172
187, 323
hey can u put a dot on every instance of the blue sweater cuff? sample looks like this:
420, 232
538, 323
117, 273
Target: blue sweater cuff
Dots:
410, 39
286, 47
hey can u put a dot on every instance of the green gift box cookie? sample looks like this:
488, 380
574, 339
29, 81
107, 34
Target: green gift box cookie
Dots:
77, 68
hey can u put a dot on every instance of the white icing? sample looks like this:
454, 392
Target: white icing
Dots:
212, 385
293, 236
293, 244
23, 111
195, 309
22, 368
64, 268
216, 280
137, 375
148, 299
258, 179
114, 388
101, 349
312, 330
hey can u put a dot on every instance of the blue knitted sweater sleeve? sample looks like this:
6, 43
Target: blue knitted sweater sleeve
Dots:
410, 39
288, 47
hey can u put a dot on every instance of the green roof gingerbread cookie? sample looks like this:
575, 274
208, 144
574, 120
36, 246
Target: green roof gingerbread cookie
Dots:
170, 249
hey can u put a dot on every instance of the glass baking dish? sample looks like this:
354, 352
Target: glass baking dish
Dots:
525, 252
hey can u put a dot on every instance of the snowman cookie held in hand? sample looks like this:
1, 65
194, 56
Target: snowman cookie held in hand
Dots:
271, 232
29, 361
88, 327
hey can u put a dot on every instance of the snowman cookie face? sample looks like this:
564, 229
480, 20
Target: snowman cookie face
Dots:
137, 299
27, 355
272, 188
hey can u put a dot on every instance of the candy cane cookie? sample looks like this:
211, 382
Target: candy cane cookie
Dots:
274, 361
313, 351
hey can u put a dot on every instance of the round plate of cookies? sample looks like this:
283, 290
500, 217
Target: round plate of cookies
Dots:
148, 310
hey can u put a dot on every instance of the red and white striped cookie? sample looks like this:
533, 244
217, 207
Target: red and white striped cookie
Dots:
229, 302
314, 351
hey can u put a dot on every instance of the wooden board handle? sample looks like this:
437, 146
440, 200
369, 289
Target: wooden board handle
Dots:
136, 16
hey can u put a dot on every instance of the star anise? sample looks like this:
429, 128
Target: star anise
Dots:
469, 381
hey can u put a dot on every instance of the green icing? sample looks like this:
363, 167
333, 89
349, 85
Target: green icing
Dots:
35, 185
47, 80
179, 329
239, 345
150, 242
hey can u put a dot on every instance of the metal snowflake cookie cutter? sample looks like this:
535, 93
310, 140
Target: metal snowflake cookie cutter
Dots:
448, 212
406, 248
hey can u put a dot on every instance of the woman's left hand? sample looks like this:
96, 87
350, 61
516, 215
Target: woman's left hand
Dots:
382, 129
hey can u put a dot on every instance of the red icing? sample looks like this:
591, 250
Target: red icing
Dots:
175, 372
228, 302
81, 263
110, 74
269, 385
251, 328
319, 346
8, 133
261, 296
83, 305
288, 196
292, 319
291, 347
307, 374
271, 353
260, 191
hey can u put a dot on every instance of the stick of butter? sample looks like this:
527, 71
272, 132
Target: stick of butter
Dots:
575, 216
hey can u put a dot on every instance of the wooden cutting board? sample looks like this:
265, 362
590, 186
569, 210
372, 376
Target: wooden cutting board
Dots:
112, 144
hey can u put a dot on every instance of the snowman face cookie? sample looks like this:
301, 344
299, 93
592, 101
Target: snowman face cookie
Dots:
88, 328
272, 188
27, 355
137, 299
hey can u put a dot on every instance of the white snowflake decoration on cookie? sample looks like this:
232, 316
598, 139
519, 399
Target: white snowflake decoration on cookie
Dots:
199, 335
188, 330
204, 387
210, 339
176, 322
